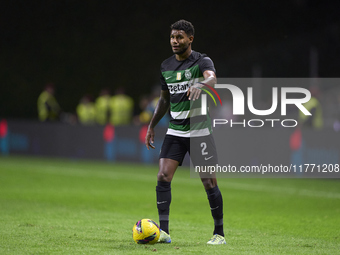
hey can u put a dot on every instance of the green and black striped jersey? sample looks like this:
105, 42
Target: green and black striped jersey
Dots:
177, 76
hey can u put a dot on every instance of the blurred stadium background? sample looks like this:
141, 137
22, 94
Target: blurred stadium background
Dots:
84, 46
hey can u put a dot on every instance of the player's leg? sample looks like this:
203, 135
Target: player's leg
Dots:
167, 168
216, 207
203, 153
215, 202
172, 154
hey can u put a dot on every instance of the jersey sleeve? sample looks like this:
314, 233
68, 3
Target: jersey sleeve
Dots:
162, 80
207, 64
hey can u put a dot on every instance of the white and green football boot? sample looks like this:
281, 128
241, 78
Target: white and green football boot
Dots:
164, 237
217, 239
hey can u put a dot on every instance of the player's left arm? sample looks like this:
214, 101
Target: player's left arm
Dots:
194, 91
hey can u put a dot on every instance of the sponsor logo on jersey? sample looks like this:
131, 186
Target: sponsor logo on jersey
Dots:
178, 88
179, 76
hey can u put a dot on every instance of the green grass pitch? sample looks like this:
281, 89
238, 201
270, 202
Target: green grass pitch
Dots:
54, 206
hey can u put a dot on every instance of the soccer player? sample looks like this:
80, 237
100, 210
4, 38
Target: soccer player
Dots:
182, 76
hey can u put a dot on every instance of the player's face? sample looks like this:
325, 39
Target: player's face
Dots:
180, 41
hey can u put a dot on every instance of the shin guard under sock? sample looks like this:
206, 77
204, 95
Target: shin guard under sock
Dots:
216, 207
163, 191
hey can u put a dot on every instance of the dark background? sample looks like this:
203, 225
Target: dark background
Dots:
84, 46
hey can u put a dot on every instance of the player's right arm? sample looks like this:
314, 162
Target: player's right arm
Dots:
161, 109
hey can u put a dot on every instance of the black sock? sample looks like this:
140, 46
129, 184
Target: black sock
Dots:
216, 207
163, 191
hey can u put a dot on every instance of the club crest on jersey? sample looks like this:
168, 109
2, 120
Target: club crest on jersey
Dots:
179, 76
187, 74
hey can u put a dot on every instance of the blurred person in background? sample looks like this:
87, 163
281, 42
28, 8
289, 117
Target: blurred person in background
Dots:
143, 115
314, 107
86, 111
121, 108
147, 105
102, 107
48, 107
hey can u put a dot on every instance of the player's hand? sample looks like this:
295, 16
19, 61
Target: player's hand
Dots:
149, 138
194, 91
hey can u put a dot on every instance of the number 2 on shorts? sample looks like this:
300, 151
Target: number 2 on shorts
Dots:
204, 147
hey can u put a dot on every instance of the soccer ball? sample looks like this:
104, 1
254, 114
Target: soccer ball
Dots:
145, 231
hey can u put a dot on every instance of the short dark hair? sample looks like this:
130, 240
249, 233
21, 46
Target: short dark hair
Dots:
184, 25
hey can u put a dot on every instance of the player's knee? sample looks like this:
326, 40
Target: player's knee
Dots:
209, 183
163, 177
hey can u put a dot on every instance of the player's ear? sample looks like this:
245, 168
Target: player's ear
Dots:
191, 38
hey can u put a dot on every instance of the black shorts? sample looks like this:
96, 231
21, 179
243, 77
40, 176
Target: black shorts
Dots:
202, 150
